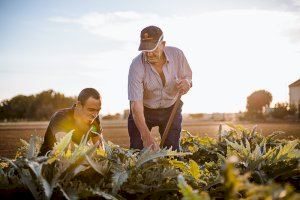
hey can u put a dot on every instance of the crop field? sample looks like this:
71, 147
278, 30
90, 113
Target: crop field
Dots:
116, 131
232, 162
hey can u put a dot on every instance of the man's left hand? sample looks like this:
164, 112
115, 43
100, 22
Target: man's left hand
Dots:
183, 86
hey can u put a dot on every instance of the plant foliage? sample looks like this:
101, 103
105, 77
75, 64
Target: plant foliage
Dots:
238, 164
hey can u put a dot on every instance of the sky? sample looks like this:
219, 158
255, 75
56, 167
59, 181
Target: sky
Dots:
234, 47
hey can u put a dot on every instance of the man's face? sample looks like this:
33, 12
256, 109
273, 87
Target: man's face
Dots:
89, 110
154, 56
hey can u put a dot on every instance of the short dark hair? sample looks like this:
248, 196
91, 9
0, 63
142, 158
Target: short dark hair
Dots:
87, 93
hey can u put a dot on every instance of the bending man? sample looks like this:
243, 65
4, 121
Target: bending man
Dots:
81, 117
156, 77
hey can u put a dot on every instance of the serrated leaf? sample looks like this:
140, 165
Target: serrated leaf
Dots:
248, 147
148, 155
284, 151
118, 178
239, 148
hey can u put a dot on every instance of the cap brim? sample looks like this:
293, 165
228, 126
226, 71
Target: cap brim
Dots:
147, 46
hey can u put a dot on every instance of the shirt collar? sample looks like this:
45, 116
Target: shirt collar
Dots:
167, 55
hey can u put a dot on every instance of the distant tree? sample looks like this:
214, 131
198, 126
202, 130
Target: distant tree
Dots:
15, 108
256, 101
19, 106
34, 107
5, 113
280, 110
117, 116
196, 115
46, 103
292, 109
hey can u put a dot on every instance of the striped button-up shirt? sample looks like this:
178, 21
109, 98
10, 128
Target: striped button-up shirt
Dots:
144, 82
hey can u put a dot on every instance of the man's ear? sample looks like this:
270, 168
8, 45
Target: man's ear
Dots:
78, 105
163, 43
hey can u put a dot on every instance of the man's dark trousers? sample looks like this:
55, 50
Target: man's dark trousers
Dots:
157, 117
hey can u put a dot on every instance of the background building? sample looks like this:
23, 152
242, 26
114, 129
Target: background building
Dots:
294, 92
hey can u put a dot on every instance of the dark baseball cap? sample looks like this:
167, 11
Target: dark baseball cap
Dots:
150, 36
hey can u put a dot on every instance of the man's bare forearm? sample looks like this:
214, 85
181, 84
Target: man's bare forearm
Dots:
137, 109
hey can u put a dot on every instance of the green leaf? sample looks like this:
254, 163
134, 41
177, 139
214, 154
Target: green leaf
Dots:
194, 169
149, 155
187, 191
248, 147
31, 147
31, 182
104, 195
286, 149
24, 142
102, 167
62, 144
68, 194
180, 165
37, 169
118, 178
241, 151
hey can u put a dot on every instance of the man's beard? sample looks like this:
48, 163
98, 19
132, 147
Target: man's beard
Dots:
154, 60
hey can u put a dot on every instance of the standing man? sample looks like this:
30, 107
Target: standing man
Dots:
156, 77
81, 117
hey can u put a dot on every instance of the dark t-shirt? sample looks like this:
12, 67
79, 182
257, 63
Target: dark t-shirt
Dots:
63, 121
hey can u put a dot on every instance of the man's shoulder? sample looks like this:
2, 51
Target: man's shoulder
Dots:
137, 61
62, 114
173, 50
137, 65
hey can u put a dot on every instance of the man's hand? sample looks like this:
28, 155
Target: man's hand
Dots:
183, 86
149, 141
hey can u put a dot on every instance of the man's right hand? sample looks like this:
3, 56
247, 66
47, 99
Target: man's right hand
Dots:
149, 141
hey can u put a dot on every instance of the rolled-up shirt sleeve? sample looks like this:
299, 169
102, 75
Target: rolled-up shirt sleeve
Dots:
135, 82
186, 72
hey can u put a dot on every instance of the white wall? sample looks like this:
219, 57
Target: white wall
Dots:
295, 95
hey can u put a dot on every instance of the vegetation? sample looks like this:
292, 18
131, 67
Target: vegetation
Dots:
34, 107
116, 116
282, 110
196, 115
240, 164
256, 102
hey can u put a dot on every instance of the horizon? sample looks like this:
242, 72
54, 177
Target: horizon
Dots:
122, 111
234, 48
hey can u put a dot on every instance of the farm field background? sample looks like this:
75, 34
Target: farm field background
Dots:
116, 131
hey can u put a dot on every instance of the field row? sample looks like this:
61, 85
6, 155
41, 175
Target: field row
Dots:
116, 132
